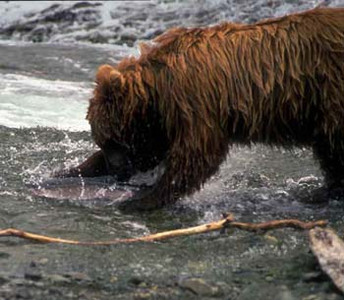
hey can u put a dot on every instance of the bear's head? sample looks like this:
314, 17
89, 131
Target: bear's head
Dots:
125, 122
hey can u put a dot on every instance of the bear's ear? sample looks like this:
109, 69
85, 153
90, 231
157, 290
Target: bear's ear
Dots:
117, 79
144, 48
109, 76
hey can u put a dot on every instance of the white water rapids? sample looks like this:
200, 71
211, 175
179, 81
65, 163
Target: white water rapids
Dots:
29, 102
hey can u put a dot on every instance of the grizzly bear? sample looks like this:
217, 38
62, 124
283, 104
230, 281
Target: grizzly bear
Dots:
194, 92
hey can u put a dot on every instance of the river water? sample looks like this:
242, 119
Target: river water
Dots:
44, 92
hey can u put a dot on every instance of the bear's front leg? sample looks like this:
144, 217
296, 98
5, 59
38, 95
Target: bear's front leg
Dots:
144, 200
184, 175
149, 198
112, 160
94, 166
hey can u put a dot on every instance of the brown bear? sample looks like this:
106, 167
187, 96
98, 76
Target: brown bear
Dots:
194, 92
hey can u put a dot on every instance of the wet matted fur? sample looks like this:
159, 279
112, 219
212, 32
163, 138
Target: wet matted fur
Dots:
194, 92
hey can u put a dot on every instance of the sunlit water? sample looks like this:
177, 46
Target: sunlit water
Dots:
44, 92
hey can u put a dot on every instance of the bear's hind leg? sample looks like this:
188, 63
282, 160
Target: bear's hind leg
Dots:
331, 159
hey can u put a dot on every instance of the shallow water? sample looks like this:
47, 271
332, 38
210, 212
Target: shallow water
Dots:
47, 85
255, 184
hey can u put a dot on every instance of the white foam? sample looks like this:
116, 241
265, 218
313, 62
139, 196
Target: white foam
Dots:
29, 102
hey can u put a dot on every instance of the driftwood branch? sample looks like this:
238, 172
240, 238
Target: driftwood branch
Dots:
226, 222
328, 248
278, 224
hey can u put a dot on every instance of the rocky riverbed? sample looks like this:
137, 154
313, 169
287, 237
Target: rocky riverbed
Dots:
48, 57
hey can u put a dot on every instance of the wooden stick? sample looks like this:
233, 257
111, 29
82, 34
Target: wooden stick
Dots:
226, 222
149, 238
294, 223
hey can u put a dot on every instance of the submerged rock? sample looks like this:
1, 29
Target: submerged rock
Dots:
200, 287
266, 291
33, 275
57, 279
3, 280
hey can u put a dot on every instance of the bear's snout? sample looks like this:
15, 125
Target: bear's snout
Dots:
117, 160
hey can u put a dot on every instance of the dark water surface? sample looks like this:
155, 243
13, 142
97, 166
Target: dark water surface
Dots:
48, 85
